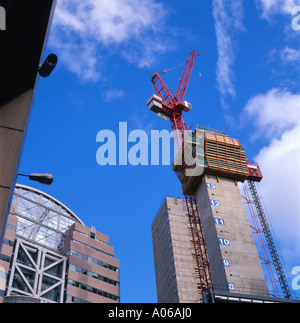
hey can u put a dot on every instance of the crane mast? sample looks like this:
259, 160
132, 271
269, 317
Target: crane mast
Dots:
172, 107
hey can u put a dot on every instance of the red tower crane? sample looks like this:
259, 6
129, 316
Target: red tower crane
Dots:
172, 107
167, 106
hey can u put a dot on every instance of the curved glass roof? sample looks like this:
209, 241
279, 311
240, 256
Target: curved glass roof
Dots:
42, 219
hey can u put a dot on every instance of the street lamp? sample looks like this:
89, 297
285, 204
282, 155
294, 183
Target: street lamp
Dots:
46, 179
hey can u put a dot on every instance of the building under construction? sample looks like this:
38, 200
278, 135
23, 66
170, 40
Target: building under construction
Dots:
204, 249
235, 266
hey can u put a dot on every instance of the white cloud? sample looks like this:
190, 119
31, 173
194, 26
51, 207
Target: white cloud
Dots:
290, 55
271, 7
115, 94
276, 117
131, 28
274, 112
280, 189
79, 57
228, 16
109, 21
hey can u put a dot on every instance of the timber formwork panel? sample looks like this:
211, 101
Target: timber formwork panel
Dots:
225, 156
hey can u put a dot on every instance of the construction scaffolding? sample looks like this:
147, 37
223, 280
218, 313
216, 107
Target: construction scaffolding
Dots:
212, 152
225, 156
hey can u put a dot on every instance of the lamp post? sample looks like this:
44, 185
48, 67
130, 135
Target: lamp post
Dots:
46, 179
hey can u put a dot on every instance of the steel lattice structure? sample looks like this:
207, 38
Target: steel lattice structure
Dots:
37, 273
270, 243
41, 218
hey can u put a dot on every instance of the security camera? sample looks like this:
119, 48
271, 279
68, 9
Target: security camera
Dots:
48, 66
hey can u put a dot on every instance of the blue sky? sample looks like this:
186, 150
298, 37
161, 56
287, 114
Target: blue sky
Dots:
108, 50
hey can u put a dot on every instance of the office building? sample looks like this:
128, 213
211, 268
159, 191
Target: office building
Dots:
49, 255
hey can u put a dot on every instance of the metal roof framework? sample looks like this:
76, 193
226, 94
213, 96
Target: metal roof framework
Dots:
41, 218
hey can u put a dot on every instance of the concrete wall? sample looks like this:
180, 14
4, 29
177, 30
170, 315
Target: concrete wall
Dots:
164, 266
233, 257
224, 217
211, 238
13, 125
174, 267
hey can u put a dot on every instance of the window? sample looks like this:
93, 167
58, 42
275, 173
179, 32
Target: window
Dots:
93, 275
3, 274
92, 260
8, 242
93, 290
4, 258
88, 246
11, 227
56, 270
75, 299
92, 232
19, 283
22, 258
